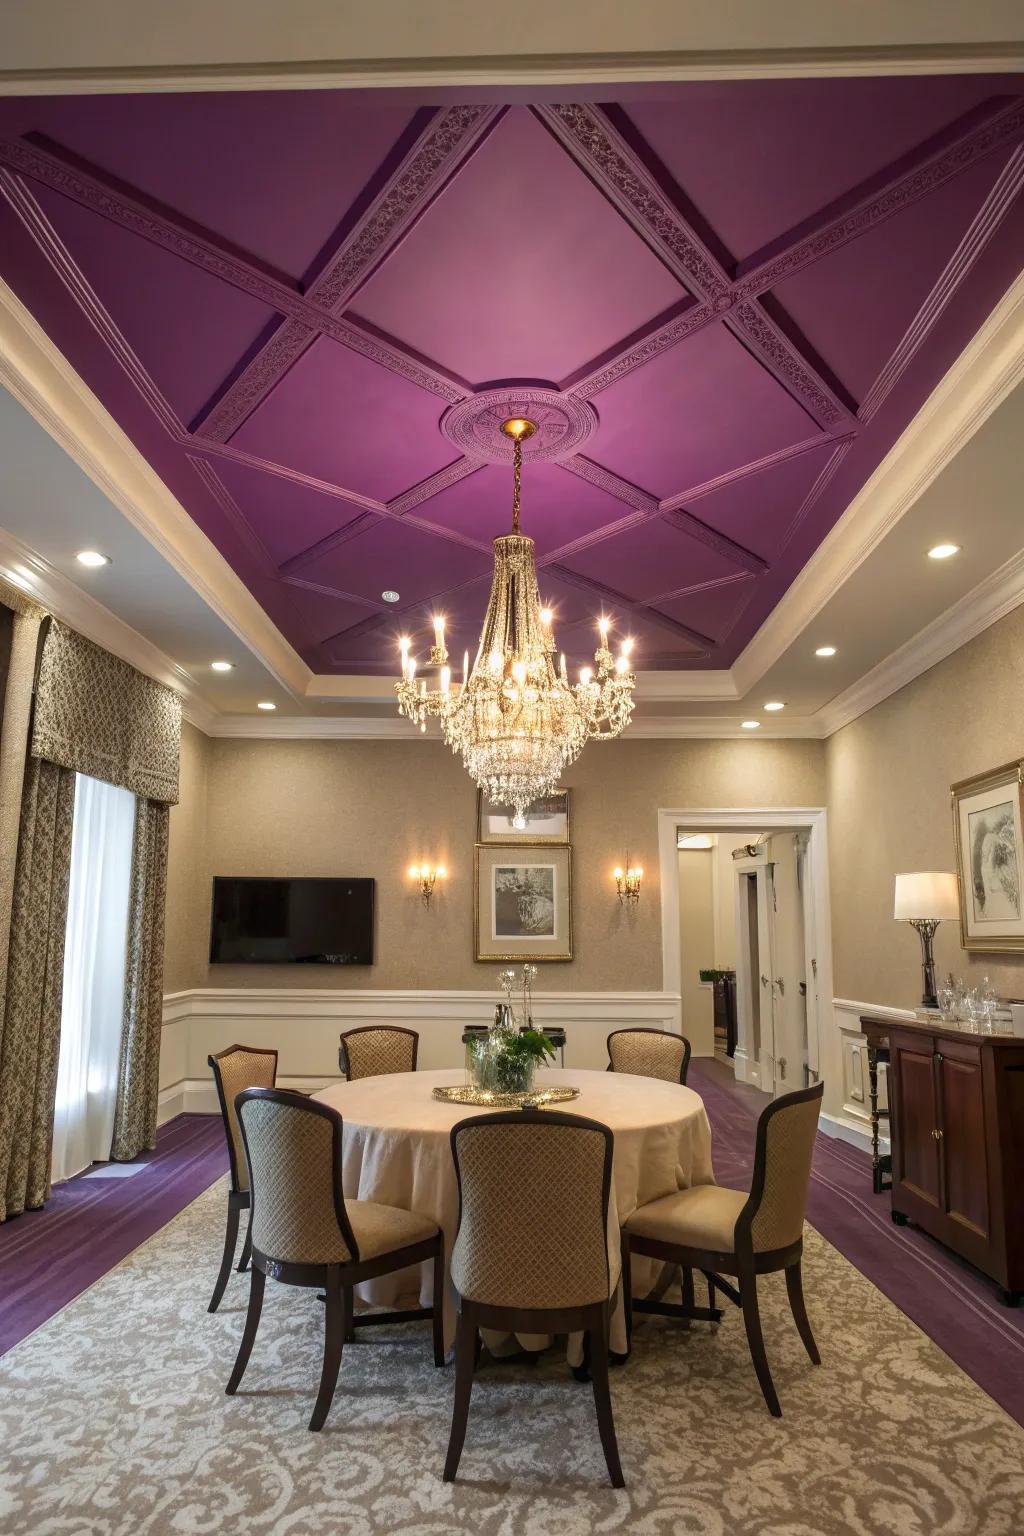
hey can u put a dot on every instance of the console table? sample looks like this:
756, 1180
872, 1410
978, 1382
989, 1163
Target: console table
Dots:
956, 1104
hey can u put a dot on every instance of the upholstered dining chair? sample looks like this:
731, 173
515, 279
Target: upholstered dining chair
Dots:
725, 1232
304, 1231
375, 1050
531, 1252
649, 1053
240, 1066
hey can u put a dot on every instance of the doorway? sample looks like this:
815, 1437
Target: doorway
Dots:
768, 921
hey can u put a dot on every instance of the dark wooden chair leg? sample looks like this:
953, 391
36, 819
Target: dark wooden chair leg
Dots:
465, 1356
230, 1242
755, 1339
627, 1289
686, 1288
257, 1281
598, 1336
437, 1321
335, 1325
350, 1314
711, 1293
794, 1286
243, 1263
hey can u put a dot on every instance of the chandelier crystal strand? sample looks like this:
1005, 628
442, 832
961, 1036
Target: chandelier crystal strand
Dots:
516, 720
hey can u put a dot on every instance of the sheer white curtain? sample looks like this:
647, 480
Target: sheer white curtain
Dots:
94, 969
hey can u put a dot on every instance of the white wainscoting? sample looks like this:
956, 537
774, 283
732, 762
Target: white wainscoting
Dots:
852, 1117
303, 1026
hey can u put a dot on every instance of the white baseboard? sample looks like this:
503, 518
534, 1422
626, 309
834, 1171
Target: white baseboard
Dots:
842, 1129
198, 1096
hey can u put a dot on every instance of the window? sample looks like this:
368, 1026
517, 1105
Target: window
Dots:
94, 972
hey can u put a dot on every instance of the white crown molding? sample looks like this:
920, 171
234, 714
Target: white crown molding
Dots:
40, 378
991, 365
356, 728
991, 600
80, 611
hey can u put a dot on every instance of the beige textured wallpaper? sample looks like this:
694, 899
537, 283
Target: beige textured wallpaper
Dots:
889, 775
188, 903
372, 808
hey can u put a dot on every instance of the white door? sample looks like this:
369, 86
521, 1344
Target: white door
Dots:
755, 1024
788, 978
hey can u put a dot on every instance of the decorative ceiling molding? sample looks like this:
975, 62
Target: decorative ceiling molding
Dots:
921, 172
41, 380
81, 612
440, 151
350, 728
703, 644
987, 370
590, 136
449, 476
562, 424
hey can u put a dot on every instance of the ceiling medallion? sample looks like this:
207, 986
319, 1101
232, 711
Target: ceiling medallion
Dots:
515, 719
560, 424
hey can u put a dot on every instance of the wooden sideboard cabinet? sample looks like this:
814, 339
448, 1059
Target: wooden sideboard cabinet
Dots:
956, 1126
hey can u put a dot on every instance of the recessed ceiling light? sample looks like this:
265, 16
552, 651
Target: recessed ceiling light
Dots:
774, 704
943, 551
92, 558
222, 666
825, 650
390, 595
265, 704
750, 725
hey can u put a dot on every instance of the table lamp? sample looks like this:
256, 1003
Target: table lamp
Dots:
924, 900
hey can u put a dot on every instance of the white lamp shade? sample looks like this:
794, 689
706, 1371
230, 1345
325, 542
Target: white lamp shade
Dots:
931, 894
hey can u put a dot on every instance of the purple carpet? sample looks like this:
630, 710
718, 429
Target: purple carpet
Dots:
950, 1302
88, 1225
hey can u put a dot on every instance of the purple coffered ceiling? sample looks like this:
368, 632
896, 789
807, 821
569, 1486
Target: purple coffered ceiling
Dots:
722, 303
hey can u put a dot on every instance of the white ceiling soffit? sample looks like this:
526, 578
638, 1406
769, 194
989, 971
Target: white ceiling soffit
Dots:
40, 378
57, 46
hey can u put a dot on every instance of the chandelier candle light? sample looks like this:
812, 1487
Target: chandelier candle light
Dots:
515, 719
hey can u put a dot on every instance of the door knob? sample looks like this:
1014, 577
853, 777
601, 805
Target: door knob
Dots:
781, 984
764, 981
937, 1135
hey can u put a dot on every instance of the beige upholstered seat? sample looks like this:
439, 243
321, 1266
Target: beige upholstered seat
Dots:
532, 1246
238, 1067
304, 1233
724, 1231
649, 1053
377, 1050
702, 1217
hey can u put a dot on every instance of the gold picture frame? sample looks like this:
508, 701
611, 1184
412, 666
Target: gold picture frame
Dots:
988, 834
547, 821
523, 902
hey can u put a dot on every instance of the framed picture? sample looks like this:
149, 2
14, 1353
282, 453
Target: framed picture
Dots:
544, 821
524, 903
987, 824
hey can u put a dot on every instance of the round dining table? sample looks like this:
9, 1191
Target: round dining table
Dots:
397, 1151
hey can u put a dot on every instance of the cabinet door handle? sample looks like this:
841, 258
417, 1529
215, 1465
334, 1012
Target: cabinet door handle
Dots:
938, 1057
937, 1135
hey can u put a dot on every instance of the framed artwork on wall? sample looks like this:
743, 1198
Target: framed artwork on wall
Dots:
544, 821
524, 902
988, 812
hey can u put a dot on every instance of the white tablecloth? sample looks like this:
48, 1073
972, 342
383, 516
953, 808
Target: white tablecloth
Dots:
397, 1151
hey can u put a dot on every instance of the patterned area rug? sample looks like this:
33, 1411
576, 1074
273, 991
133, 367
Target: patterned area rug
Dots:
113, 1422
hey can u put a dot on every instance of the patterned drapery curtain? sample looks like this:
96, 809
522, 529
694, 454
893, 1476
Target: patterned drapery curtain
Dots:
19, 642
100, 716
35, 977
138, 1083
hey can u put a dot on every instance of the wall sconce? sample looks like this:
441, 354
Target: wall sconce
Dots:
627, 883
427, 875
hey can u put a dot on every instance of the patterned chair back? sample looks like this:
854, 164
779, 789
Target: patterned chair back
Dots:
773, 1217
377, 1050
649, 1053
240, 1066
533, 1209
293, 1150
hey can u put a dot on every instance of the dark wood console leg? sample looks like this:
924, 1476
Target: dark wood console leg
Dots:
900, 1218
1011, 1298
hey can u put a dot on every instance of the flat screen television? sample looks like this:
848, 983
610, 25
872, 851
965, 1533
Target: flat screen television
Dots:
291, 922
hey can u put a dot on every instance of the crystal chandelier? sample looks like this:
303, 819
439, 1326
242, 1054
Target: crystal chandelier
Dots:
515, 719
